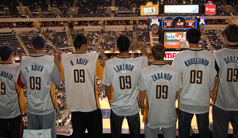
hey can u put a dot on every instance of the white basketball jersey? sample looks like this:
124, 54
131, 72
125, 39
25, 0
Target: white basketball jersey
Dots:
161, 82
123, 74
197, 68
9, 103
227, 94
36, 71
80, 73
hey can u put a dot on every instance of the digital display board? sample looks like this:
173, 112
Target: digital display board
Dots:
181, 9
175, 40
179, 22
149, 9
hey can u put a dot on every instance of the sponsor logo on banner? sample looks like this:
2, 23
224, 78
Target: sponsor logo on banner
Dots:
170, 55
210, 8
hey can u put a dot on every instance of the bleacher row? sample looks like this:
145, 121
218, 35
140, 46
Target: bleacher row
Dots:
106, 40
95, 8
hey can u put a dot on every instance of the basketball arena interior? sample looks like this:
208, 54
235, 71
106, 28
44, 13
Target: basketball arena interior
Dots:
102, 22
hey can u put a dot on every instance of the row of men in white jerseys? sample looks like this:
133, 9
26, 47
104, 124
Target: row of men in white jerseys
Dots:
192, 78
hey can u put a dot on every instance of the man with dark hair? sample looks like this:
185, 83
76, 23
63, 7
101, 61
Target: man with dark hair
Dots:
10, 95
80, 70
225, 108
122, 73
37, 72
196, 66
162, 83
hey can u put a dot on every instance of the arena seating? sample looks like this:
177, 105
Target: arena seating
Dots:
98, 8
11, 40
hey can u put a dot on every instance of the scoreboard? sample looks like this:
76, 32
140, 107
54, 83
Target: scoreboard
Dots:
179, 22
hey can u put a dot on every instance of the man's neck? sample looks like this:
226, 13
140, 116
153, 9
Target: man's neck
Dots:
79, 51
124, 54
193, 45
39, 51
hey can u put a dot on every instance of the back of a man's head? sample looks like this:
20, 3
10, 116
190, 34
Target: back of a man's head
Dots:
38, 42
5, 52
231, 33
158, 51
123, 43
193, 35
79, 41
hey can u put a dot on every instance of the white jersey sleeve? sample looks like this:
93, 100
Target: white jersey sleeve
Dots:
106, 74
36, 71
123, 74
80, 80
197, 67
161, 82
227, 94
9, 102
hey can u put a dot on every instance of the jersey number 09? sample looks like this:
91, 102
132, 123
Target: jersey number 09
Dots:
35, 83
162, 91
196, 76
79, 76
125, 82
232, 74
3, 88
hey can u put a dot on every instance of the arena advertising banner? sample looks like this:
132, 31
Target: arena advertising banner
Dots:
210, 8
149, 9
181, 9
170, 55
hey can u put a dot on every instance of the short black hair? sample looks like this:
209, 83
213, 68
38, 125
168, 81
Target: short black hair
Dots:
231, 33
123, 43
38, 42
158, 51
5, 52
193, 35
79, 41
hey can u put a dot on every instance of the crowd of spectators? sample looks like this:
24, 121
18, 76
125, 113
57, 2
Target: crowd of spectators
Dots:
99, 8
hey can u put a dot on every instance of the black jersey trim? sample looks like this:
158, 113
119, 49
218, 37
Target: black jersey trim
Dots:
195, 49
6, 63
123, 57
159, 64
232, 46
34, 55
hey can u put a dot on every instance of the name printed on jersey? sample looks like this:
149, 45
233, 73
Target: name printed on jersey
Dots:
231, 59
192, 61
35, 68
6, 75
122, 67
81, 61
161, 75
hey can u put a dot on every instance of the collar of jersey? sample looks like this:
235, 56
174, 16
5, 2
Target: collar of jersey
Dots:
78, 53
232, 46
6, 62
195, 49
123, 56
159, 64
36, 55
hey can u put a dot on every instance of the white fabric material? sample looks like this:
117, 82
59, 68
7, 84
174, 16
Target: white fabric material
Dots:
161, 82
123, 74
9, 104
42, 133
36, 71
80, 72
197, 68
227, 94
